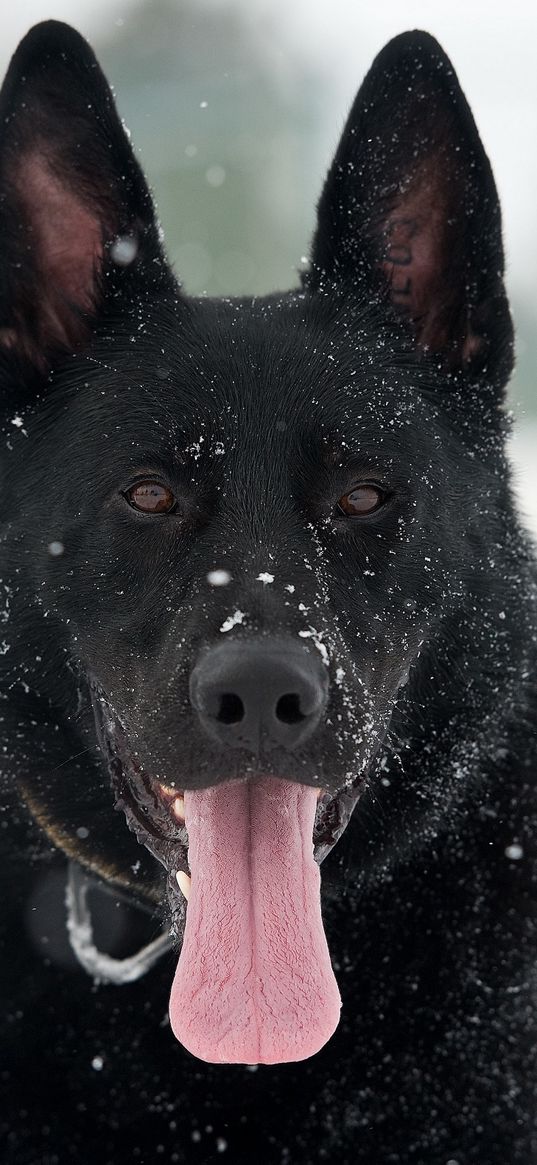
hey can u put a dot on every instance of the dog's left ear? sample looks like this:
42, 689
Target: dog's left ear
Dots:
76, 216
410, 215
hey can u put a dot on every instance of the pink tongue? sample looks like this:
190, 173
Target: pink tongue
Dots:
254, 983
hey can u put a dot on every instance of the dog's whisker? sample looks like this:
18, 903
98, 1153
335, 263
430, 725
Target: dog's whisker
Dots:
69, 760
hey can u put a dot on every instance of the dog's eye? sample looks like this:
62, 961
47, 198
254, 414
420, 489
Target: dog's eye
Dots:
150, 497
362, 500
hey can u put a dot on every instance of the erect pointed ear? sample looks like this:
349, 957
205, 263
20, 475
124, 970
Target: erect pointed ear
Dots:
410, 213
76, 217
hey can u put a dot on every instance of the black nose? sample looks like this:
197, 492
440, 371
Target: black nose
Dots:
259, 695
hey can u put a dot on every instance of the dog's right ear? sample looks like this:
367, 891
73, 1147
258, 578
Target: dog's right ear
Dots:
409, 216
76, 216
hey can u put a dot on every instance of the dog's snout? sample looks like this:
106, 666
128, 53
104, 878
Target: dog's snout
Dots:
259, 695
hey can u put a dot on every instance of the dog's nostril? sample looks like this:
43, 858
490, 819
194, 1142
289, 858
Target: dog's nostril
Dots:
231, 709
288, 709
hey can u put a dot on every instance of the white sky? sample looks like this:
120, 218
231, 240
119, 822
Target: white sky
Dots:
493, 47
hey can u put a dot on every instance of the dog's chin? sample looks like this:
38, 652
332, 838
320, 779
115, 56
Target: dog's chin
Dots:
155, 810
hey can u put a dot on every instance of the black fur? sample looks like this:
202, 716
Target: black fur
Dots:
388, 366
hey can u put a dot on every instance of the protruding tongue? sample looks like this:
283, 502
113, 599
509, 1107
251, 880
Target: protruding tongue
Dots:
254, 983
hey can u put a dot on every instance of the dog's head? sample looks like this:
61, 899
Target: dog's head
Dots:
243, 532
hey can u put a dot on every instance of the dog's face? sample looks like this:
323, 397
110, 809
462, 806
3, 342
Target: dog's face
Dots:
204, 511
237, 522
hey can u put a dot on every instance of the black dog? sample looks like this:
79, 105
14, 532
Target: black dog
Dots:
261, 568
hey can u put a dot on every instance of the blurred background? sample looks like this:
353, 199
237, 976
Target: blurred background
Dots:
236, 106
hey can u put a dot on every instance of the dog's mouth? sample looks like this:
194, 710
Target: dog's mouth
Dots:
155, 810
254, 983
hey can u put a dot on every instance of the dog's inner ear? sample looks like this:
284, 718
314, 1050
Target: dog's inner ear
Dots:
58, 260
420, 247
417, 245
71, 188
409, 211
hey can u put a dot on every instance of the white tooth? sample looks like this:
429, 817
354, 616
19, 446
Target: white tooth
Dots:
178, 808
184, 883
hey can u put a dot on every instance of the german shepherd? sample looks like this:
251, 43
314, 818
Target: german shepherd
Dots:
263, 586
